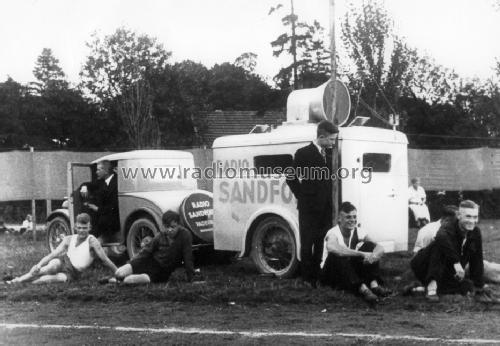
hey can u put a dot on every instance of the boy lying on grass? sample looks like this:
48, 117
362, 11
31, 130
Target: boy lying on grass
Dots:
161, 256
67, 262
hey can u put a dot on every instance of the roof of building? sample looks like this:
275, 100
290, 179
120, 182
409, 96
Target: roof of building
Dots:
224, 123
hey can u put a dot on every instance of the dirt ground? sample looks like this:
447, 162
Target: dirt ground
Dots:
234, 301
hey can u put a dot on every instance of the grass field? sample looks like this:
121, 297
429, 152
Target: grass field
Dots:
234, 297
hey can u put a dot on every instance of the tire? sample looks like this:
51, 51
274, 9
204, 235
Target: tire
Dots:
57, 229
274, 249
139, 229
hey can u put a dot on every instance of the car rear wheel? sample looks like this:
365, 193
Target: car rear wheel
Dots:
140, 229
274, 248
57, 229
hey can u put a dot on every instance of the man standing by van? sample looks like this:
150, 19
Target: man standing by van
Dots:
312, 185
105, 193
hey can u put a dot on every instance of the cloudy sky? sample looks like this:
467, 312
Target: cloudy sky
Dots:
460, 34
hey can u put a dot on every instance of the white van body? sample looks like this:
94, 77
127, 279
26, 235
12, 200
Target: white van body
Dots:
243, 203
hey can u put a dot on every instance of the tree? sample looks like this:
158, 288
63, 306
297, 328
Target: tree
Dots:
386, 68
290, 42
246, 61
306, 44
12, 131
118, 73
48, 72
181, 95
233, 88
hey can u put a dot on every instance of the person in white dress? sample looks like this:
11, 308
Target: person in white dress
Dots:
67, 262
416, 202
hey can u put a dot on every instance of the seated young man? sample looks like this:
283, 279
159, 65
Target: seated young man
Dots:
351, 259
441, 265
67, 262
160, 257
427, 234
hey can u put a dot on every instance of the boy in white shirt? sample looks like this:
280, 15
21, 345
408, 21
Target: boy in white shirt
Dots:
351, 259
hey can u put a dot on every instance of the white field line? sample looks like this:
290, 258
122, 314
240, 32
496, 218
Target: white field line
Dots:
252, 334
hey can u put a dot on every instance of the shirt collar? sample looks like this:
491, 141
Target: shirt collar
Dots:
108, 179
318, 146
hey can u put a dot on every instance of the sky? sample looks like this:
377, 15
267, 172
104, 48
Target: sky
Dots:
459, 34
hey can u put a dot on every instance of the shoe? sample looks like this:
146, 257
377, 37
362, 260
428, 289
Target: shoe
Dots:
381, 291
408, 289
432, 298
369, 296
8, 277
107, 280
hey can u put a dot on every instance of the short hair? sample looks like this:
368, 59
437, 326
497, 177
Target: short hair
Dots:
107, 165
83, 218
170, 216
449, 211
347, 207
468, 204
326, 128
414, 180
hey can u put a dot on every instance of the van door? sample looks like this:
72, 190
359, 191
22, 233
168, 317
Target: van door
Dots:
382, 198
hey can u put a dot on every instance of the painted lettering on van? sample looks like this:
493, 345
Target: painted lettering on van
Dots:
236, 164
254, 191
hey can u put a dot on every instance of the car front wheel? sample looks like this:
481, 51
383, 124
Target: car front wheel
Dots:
57, 229
140, 229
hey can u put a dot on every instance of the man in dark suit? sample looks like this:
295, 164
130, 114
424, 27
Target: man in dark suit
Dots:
105, 198
312, 185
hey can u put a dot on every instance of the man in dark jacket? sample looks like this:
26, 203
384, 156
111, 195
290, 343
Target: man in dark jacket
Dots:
441, 265
159, 258
311, 184
105, 200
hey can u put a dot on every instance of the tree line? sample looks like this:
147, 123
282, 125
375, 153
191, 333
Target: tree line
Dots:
130, 95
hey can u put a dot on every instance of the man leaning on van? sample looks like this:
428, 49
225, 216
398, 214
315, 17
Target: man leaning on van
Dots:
311, 184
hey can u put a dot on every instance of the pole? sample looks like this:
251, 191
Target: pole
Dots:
294, 47
333, 80
33, 188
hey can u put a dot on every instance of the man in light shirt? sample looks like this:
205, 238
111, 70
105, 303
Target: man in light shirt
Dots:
351, 258
427, 233
70, 259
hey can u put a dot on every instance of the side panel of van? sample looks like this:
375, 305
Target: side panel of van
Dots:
380, 198
237, 199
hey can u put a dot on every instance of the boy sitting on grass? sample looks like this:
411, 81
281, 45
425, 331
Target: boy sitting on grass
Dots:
67, 262
158, 259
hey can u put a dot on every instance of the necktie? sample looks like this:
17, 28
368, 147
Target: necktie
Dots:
323, 153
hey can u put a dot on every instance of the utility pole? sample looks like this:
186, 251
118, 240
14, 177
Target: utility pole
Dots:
294, 47
333, 82
33, 191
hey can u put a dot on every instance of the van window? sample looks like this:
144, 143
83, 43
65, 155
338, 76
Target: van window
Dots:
378, 162
266, 164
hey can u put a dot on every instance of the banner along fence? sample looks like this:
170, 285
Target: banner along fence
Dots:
43, 174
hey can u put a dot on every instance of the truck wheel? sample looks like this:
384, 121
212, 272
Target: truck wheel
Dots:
140, 229
57, 229
274, 249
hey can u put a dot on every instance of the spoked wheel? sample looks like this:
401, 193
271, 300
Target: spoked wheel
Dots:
57, 229
274, 249
140, 229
